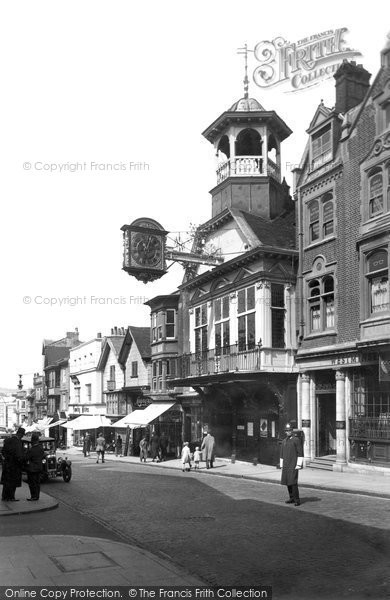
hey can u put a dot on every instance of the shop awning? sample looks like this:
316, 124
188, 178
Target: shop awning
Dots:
132, 420
40, 425
59, 422
141, 418
87, 422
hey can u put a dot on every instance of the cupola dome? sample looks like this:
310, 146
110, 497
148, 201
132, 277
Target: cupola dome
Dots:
246, 105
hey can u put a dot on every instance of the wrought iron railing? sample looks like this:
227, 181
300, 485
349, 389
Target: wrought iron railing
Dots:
370, 427
222, 360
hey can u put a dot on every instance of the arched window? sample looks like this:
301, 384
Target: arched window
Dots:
248, 143
321, 304
224, 148
377, 274
375, 192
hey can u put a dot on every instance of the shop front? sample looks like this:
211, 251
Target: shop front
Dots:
344, 409
246, 418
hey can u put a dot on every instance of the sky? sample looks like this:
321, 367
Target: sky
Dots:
96, 83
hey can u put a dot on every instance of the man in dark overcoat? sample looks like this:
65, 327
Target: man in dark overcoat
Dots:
34, 458
155, 447
208, 450
13, 458
291, 460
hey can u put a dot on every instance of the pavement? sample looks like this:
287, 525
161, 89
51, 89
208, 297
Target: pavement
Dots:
61, 560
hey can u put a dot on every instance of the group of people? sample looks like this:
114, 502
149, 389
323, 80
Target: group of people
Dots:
205, 452
156, 447
101, 446
15, 460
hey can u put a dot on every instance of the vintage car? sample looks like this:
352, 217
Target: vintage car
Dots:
53, 465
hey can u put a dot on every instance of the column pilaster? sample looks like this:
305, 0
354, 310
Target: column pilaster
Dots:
341, 459
306, 418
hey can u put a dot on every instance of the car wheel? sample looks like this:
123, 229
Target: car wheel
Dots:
67, 474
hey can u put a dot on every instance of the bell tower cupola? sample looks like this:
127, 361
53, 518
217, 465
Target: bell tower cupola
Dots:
247, 140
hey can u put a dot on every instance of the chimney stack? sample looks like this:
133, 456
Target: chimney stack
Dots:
99, 336
352, 83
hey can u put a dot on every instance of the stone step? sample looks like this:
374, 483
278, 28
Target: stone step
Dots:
322, 462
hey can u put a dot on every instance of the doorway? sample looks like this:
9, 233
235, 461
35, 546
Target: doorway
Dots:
326, 425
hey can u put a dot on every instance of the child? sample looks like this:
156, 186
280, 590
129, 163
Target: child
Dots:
186, 457
197, 456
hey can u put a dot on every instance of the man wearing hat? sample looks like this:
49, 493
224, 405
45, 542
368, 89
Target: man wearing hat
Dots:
13, 454
34, 457
291, 460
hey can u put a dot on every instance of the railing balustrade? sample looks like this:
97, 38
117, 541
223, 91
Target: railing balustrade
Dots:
370, 427
222, 360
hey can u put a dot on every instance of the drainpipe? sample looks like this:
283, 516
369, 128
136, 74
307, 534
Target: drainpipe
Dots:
297, 171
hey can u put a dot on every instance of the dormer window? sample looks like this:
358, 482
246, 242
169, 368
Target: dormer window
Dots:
321, 147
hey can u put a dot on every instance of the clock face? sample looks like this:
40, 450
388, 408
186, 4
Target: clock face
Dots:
146, 249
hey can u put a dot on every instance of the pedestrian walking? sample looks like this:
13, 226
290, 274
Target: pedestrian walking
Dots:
208, 447
291, 460
197, 455
34, 457
186, 457
13, 459
163, 446
118, 446
155, 447
87, 445
143, 449
100, 447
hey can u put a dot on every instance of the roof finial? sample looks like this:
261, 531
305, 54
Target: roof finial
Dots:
245, 51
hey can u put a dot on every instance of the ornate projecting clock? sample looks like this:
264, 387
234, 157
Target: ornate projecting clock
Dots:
144, 249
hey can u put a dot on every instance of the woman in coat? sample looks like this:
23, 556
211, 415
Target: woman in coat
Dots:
186, 457
143, 449
208, 448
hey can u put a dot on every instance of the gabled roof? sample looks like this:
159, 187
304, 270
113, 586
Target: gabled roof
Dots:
112, 343
140, 336
320, 116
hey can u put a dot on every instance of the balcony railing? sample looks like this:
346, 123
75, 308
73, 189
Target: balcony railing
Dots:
370, 427
222, 360
251, 166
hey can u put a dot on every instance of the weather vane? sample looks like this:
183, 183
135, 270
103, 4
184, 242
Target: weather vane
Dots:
245, 51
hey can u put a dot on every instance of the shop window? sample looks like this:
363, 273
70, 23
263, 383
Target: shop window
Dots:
246, 319
378, 282
222, 325
277, 316
321, 147
321, 304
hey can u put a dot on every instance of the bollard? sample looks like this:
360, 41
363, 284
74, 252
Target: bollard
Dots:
233, 459
255, 461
